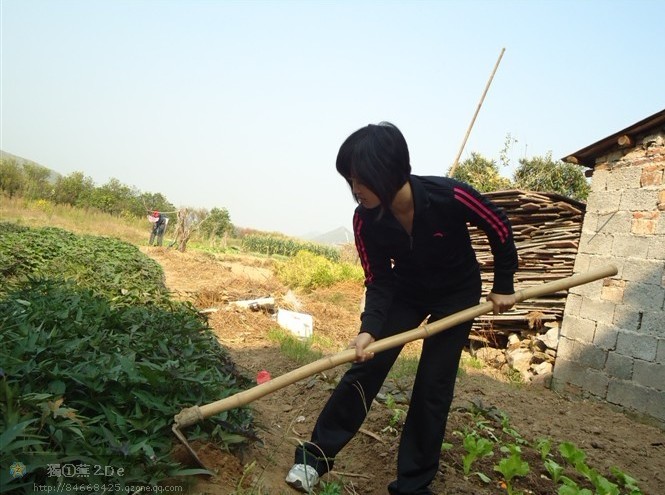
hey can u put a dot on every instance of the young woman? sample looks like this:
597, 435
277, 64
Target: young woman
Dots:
414, 246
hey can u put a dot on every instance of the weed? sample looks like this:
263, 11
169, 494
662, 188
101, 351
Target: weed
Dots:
330, 488
404, 367
294, 348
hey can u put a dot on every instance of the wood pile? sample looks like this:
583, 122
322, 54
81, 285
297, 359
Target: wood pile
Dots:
547, 229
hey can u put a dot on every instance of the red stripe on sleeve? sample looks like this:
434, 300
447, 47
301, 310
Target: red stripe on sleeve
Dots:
360, 246
483, 211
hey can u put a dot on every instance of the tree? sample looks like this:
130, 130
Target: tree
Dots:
114, 197
217, 223
481, 173
545, 175
12, 179
154, 201
74, 189
37, 185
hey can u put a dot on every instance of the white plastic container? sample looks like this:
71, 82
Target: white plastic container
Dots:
299, 324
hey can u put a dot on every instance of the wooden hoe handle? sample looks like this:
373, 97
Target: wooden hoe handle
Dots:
193, 415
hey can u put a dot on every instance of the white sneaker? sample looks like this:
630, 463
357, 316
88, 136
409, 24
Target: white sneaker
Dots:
302, 477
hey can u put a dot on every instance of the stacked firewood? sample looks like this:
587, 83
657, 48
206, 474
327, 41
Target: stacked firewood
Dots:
547, 229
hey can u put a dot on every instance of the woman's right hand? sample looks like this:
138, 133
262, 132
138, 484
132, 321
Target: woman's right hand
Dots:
361, 341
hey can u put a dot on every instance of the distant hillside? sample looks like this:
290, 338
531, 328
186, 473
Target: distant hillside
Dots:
340, 235
4, 155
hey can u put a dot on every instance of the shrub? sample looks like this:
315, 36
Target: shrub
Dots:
96, 361
309, 271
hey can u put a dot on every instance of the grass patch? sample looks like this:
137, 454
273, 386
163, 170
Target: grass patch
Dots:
298, 350
472, 362
404, 367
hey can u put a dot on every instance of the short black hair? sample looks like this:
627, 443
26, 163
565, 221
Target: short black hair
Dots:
377, 156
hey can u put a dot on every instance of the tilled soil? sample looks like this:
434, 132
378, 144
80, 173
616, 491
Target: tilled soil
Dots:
485, 400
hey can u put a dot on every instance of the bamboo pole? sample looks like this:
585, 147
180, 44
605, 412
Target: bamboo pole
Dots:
195, 414
473, 120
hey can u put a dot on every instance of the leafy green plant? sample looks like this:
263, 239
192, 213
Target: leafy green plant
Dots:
544, 447
512, 466
476, 447
571, 488
625, 481
397, 414
330, 488
554, 469
509, 430
96, 362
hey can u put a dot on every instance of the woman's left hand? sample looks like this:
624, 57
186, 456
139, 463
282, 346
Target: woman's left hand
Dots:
501, 302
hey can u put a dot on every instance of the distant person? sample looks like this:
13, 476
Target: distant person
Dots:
414, 246
158, 226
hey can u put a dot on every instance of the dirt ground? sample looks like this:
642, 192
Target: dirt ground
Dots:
367, 464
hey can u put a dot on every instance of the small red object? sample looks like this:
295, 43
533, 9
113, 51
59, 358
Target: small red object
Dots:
262, 377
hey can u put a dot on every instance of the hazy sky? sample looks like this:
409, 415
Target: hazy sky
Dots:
244, 104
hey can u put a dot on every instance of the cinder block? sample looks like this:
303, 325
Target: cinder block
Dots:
639, 200
577, 328
566, 370
637, 345
599, 182
656, 406
624, 178
630, 246
604, 259
595, 243
627, 317
660, 352
567, 350
592, 290
606, 336
573, 305
656, 249
628, 394
590, 223
597, 310
603, 201
653, 323
644, 271
582, 262
592, 356
618, 366
595, 382
647, 297
649, 374
617, 222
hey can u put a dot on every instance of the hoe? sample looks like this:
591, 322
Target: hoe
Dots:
192, 415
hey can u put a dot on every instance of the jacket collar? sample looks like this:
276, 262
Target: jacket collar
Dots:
420, 196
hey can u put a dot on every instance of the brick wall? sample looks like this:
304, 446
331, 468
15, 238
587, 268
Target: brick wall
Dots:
612, 342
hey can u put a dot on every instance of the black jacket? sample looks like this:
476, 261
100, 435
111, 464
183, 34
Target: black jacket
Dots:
437, 258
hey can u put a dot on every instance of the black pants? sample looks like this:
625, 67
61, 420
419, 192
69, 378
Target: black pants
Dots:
423, 433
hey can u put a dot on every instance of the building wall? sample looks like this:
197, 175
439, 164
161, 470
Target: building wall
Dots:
612, 342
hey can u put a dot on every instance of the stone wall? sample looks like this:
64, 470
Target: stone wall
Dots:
612, 342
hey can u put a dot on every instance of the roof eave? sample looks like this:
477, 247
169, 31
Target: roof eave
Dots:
622, 139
